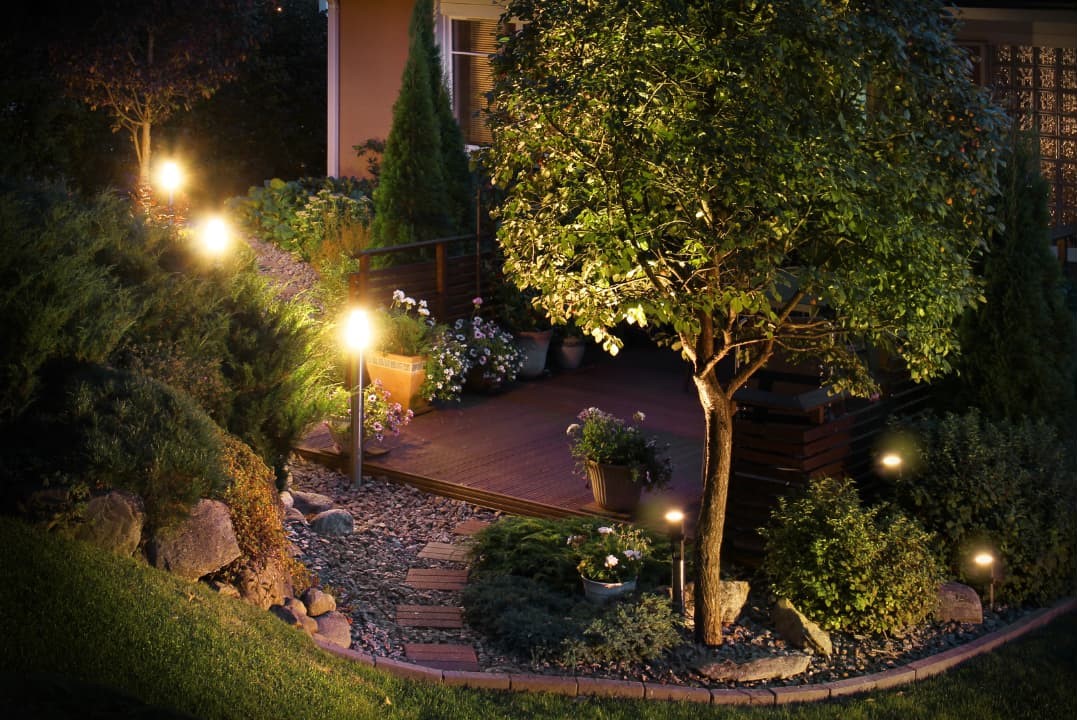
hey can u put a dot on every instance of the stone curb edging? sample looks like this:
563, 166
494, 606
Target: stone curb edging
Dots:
576, 686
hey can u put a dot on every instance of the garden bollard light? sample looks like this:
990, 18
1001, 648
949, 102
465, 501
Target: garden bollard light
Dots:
675, 518
357, 336
987, 560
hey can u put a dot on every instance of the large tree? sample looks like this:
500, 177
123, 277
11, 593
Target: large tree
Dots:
142, 60
800, 176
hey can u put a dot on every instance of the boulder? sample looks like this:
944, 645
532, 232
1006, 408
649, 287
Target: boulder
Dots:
288, 615
333, 522
201, 543
958, 603
265, 586
294, 516
734, 596
774, 667
318, 602
798, 630
310, 503
113, 521
335, 628
286, 500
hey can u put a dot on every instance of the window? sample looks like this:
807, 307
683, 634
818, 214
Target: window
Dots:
471, 42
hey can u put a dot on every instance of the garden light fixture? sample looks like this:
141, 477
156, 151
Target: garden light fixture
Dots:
675, 518
215, 236
986, 560
171, 178
357, 337
890, 461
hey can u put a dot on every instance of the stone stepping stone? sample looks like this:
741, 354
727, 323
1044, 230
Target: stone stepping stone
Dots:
436, 579
470, 527
443, 656
444, 551
433, 616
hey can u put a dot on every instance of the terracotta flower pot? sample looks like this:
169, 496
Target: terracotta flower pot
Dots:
613, 486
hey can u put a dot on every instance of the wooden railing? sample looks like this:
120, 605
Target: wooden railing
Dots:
781, 440
448, 281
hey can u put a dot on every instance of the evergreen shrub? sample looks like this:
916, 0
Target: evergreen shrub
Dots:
1003, 485
848, 567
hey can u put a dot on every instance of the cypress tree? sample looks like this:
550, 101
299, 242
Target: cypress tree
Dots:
1020, 348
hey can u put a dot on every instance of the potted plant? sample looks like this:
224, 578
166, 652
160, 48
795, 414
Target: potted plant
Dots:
404, 333
619, 460
447, 365
519, 312
570, 348
610, 559
381, 417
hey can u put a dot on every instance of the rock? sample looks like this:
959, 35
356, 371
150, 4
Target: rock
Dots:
201, 543
333, 522
765, 668
798, 630
734, 596
310, 503
318, 602
334, 626
288, 615
295, 605
263, 587
223, 588
286, 500
113, 521
293, 515
958, 603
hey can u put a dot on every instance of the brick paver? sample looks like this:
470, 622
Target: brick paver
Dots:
470, 527
445, 551
443, 656
436, 579
437, 616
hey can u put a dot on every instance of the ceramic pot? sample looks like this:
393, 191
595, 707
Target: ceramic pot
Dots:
613, 487
601, 592
535, 347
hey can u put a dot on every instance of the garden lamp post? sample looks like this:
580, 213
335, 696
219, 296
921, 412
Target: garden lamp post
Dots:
357, 337
171, 178
675, 518
215, 236
987, 560
891, 461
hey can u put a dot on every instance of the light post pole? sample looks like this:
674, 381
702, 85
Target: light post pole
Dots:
171, 177
987, 560
675, 518
357, 336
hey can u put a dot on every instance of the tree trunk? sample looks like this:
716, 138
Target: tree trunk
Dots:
717, 461
142, 152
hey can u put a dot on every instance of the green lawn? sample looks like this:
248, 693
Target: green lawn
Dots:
85, 634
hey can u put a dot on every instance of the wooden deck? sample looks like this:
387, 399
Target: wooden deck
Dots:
509, 451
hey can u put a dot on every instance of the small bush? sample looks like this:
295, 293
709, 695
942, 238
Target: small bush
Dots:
627, 632
531, 548
255, 508
1006, 485
848, 567
521, 615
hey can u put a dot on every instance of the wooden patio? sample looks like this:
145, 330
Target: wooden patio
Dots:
509, 451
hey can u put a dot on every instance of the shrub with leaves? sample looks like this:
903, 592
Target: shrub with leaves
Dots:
522, 615
1006, 485
849, 567
532, 548
627, 632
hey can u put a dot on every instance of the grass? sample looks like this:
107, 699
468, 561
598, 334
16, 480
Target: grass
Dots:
89, 635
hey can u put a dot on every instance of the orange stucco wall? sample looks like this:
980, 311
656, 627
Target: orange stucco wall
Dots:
373, 49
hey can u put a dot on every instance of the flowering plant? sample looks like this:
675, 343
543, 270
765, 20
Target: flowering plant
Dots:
610, 553
381, 416
406, 327
447, 364
493, 356
607, 439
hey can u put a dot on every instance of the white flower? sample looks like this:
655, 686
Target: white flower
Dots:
572, 429
638, 416
398, 295
605, 530
423, 311
611, 561
633, 554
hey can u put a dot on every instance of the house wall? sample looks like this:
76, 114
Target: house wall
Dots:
373, 49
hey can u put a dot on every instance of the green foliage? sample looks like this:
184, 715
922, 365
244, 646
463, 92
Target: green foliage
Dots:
422, 182
251, 496
56, 301
130, 432
1019, 350
521, 614
1007, 486
605, 438
531, 548
848, 567
627, 633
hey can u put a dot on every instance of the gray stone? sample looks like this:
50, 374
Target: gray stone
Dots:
731, 602
201, 543
288, 615
113, 521
293, 515
334, 626
798, 630
264, 586
310, 503
318, 602
286, 500
333, 522
958, 603
775, 667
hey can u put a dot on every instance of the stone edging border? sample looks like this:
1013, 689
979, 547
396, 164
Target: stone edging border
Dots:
576, 686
